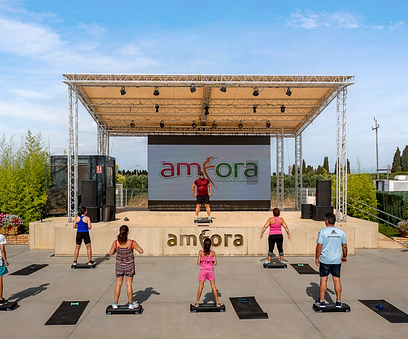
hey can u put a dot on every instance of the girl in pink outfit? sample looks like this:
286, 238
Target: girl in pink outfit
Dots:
275, 234
207, 260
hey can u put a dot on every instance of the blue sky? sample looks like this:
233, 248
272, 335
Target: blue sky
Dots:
41, 40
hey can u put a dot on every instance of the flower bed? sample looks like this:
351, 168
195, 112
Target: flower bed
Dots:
404, 225
10, 224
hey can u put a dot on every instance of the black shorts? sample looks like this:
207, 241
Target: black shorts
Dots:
83, 235
203, 199
333, 269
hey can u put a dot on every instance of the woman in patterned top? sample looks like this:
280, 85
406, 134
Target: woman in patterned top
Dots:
125, 264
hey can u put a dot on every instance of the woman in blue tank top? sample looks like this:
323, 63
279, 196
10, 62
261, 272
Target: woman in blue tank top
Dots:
83, 224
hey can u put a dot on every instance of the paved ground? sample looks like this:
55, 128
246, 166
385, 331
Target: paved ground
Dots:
167, 285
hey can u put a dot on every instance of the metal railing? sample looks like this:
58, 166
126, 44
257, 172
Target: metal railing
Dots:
377, 217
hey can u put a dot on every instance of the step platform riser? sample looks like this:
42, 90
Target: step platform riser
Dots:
332, 308
275, 265
123, 309
10, 306
83, 266
207, 308
203, 221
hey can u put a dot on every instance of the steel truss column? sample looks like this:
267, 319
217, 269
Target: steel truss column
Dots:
341, 168
280, 170
105, 137
99, 145
102, 141
72, 172
298, 171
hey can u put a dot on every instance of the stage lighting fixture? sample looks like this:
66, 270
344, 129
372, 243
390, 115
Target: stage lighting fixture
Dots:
268, 124
123, 90
132, 124
223, 88
254, 108
283, 109
192, 88
288, 92
206, 110
156, 92
161, 124
194, 125
214, 125
256, 92
157, 108
240, 125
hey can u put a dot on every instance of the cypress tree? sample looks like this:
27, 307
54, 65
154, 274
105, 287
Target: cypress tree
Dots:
326, 164
404, 159
396, 162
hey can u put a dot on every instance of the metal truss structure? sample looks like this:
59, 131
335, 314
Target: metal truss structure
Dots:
72, 154
298, 171
102, 139
280, 185
141, 105
341, 164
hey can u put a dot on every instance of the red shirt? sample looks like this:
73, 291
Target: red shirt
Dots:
202, 186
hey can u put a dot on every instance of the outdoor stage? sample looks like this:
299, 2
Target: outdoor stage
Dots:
175, 233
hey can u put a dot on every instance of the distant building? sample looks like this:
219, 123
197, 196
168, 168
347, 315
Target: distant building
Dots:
400, 183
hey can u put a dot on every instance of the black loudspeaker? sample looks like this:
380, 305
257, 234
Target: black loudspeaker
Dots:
323, 192
319, 212
306, 212
93, 214
89, 193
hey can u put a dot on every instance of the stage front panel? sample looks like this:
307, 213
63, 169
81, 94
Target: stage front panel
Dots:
237, 170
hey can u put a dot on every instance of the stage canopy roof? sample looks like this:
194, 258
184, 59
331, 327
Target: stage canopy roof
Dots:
140, 105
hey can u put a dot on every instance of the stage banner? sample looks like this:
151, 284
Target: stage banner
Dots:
237, 167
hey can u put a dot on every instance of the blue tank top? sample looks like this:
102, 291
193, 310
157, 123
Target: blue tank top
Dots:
82, 226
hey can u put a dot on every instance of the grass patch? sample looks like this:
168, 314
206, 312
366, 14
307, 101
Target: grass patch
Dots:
392, 232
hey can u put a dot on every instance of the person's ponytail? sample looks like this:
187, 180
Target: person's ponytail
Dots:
123, 234
81, 210
207, 246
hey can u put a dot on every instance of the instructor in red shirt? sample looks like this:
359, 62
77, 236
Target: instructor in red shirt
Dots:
203, 196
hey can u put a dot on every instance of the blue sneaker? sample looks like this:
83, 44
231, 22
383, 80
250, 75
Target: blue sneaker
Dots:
338, 304
267, 262
319, 303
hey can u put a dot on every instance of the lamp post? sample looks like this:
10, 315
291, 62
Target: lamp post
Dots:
376, 145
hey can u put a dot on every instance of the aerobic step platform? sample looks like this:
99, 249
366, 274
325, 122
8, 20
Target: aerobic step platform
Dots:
331, 308
10, 306
203, 221
206, 308
85, 266
124, 309
275, 264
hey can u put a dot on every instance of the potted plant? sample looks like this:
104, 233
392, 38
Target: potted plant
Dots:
10, 224
404, 225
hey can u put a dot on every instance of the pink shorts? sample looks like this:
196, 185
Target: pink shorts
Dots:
204, 275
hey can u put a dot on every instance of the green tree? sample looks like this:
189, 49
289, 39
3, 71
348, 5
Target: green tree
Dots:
404, 159
319, 170
360, 187
396, 162
304, 166
326, 164
22, 177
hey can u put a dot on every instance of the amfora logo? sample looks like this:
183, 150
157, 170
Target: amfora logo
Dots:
222, 170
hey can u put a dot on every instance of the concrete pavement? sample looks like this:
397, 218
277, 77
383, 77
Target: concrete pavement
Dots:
167, 285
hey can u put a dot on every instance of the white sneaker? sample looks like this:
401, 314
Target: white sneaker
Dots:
114, 306
196, 218
133, 305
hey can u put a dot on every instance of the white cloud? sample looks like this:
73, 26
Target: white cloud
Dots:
307, 20
311, 20
27, 39
395, 24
